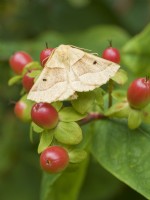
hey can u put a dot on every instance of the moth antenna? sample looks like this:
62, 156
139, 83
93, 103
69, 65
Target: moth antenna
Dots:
83, 49
96, 54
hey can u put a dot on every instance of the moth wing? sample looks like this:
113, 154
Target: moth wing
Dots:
52, 85
90, 72
75, 55
69, 70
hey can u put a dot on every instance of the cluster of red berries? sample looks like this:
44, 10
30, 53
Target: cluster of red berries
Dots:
138, 93
56, 158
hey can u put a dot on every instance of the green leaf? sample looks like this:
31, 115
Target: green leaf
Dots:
57, 105
136, 53
77, 155
34, 73
14, 80
98, 92
124, 152
87, 133
65, 186
99, 184
84, 102
120, 110
146, 114
68, 133
48, 181
134, 118
119, 94
27, 112
68, 114
72, 180
33, 133
96, 38
45, 140
120, 77
32, 65
36, 128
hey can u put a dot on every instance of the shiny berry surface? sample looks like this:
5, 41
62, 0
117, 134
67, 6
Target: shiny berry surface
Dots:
27, 81
19, 109
138, 93
54, 159
111, 54
22, 109
19, 60
44, 115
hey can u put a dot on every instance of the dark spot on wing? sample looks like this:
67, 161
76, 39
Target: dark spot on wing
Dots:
44, 79
95, 62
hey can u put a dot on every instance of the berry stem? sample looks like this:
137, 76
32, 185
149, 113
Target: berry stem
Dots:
91, 117
46, 44
147, 78
110, 89
110, 43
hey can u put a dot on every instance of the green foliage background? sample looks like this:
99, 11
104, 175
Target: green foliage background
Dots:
27, 25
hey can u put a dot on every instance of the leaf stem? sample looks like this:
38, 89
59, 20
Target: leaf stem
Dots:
91, 117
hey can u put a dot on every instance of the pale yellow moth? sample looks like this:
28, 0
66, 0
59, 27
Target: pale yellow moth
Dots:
70, 70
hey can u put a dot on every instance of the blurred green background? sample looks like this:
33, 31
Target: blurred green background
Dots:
27, 25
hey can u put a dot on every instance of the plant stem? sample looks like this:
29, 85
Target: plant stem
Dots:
91, 117
110, 89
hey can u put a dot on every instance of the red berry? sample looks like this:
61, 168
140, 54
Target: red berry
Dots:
54, 159
44, 55
19, 60
19, 109
111, 54
22, 109
138, 93
27, 81
44, 115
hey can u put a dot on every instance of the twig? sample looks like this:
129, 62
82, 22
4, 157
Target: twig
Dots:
91, 117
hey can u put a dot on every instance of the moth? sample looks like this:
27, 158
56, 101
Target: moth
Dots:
69, 70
